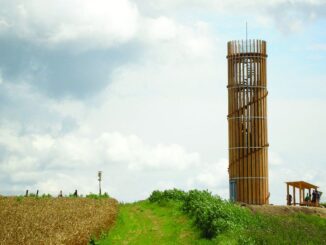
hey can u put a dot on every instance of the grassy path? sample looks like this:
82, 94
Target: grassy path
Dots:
147, 223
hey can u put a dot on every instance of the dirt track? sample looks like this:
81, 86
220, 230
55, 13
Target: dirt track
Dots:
286, 210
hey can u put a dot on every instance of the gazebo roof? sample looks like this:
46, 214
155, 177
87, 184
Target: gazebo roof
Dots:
302, 184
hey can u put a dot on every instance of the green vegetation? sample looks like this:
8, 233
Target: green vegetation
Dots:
291, 229
46, 196
228, 223
32, 195
19, 198
146, 223
97, 196
91, 196
212, 215
198, 217
194, 217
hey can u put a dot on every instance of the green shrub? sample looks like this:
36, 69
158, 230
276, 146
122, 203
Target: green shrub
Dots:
167, 195
212, 215
228, 223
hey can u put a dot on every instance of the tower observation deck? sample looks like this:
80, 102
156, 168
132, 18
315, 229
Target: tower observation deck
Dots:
247, 121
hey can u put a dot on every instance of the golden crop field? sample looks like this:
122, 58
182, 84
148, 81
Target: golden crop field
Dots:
54, 220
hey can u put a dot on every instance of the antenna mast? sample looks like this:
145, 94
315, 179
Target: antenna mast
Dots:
246, 36
246, 31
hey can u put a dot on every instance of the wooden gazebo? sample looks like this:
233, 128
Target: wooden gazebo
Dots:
302, 186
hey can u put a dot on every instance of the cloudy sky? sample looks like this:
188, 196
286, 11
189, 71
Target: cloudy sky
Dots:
137, 89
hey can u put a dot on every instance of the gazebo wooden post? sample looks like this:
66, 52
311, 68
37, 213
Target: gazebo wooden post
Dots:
316, 202
293, 195
287, 194
300, 195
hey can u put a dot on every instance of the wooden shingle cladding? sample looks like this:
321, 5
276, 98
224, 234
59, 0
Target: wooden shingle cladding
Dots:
247, 120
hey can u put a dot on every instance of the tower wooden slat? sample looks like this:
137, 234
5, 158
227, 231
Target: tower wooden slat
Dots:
247, 120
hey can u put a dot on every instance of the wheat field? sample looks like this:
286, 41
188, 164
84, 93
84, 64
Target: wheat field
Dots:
54, 220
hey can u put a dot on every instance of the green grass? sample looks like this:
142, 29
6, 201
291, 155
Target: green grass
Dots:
290, 229
150, 223
197, 217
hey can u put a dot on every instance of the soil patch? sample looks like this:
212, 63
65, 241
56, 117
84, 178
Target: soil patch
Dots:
286, 210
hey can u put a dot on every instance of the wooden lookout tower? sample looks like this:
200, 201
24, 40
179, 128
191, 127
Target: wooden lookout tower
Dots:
247, 121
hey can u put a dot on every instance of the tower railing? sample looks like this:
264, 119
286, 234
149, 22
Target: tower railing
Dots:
247, 46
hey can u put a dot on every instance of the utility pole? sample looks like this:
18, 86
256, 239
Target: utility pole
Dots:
99, 182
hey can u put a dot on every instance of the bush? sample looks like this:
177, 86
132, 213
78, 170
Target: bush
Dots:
228, 223
167, 195
212, 215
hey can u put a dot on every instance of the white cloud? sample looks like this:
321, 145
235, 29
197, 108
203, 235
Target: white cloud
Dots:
162, 28
1, 78
52, 161
31, 156
97, 24
161, 123
102, 24
274, 158
318, 47
3, 25
127, 106
214, 175
93, 23
217, 5
287, 16
138, 156
296, 133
